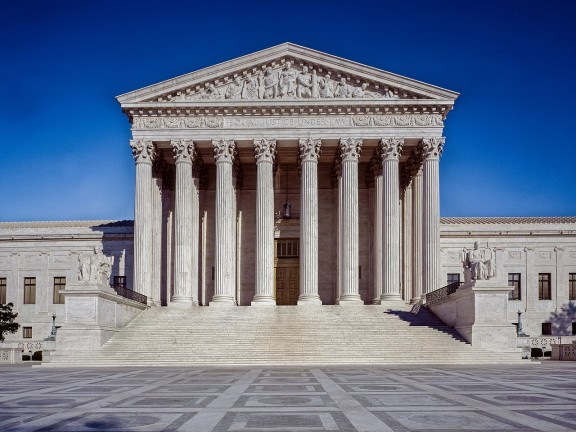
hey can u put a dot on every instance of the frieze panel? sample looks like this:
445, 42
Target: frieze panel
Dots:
5, 261
514, 255
327, 121
60, 259
287, 78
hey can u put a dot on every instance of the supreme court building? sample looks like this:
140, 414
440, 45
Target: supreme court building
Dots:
287, 176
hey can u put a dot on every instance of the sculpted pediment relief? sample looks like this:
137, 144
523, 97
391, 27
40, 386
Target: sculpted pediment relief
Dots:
287, 72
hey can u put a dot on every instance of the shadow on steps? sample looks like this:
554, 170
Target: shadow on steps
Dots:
423, 317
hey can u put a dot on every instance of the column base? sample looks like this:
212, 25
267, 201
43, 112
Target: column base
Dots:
350, 300
391, 298
376, 301
182, 302
263, 300
222, 301
415, 300
309, 299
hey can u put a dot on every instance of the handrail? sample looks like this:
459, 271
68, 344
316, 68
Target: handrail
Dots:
442, 293
131, 295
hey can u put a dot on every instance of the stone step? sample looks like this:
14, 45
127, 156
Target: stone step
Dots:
283, 336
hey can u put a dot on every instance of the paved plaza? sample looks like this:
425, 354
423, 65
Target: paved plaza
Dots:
529, 397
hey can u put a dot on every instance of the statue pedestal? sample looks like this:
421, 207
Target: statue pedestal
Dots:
478, 310
93, 314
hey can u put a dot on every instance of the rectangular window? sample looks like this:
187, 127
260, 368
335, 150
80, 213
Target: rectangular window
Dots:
572, 286
29, 290
574, 328
544, 288
546, 329
514, 281
27, 332
453, 277
59, 284
2, 290
119, 281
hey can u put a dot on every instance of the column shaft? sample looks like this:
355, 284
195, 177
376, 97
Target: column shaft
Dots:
377, 236
157, 232
407, 244
417, 236
183, 154
143, 152
264, 152
350, 151
391, 149
431, 149
309, 153
225, 221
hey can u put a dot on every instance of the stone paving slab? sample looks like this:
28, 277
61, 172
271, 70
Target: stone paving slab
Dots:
531, 397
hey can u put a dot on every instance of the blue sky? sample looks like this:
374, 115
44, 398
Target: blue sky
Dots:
510, 145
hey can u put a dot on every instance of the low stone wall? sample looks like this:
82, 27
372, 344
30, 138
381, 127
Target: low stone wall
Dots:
564, 352
10, 354
94, 313
478, 311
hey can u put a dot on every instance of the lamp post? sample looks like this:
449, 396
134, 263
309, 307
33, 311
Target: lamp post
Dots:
519, 331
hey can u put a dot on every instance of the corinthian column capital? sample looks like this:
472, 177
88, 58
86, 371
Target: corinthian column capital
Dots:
143, 151
265, 150
224, 150
390, 148
350, 149
310, 149
183, 150
431, 148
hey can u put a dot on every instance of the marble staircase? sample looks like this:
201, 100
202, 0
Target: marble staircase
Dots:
284, 335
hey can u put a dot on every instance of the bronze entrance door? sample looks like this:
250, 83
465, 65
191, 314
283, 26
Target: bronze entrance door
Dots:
287, 272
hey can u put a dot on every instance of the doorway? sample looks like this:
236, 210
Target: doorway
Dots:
287, 269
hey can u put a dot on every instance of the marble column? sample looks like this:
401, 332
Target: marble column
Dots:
183, 151
350, 152
158, 169
144, 153
407, 243
225, 221
431, 150
376, 163
309, 154
390, 149
265, 153
417, 235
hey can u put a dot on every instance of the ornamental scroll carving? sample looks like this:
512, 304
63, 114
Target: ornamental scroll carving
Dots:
183, 150
287, 79
224, 150
310, 149
265, 150
143, 151
431, 148
350, 149
390, 148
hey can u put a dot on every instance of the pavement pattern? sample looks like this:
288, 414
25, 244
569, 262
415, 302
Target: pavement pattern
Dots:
531, 397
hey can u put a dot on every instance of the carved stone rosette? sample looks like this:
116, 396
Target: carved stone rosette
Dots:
143, 151
350, 149
310, 149
431, 148
224, 150
390, 148
183, 150
265, 150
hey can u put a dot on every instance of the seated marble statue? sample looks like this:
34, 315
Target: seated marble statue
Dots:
96, 268
479, 263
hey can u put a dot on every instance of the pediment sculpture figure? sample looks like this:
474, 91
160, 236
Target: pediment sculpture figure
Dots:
96, 268
479, 263
287, 81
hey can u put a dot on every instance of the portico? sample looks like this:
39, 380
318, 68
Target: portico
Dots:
215, 165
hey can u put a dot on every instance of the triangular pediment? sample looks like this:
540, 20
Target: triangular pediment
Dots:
286, 72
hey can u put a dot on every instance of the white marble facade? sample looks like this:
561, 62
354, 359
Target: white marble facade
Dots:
354, 151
